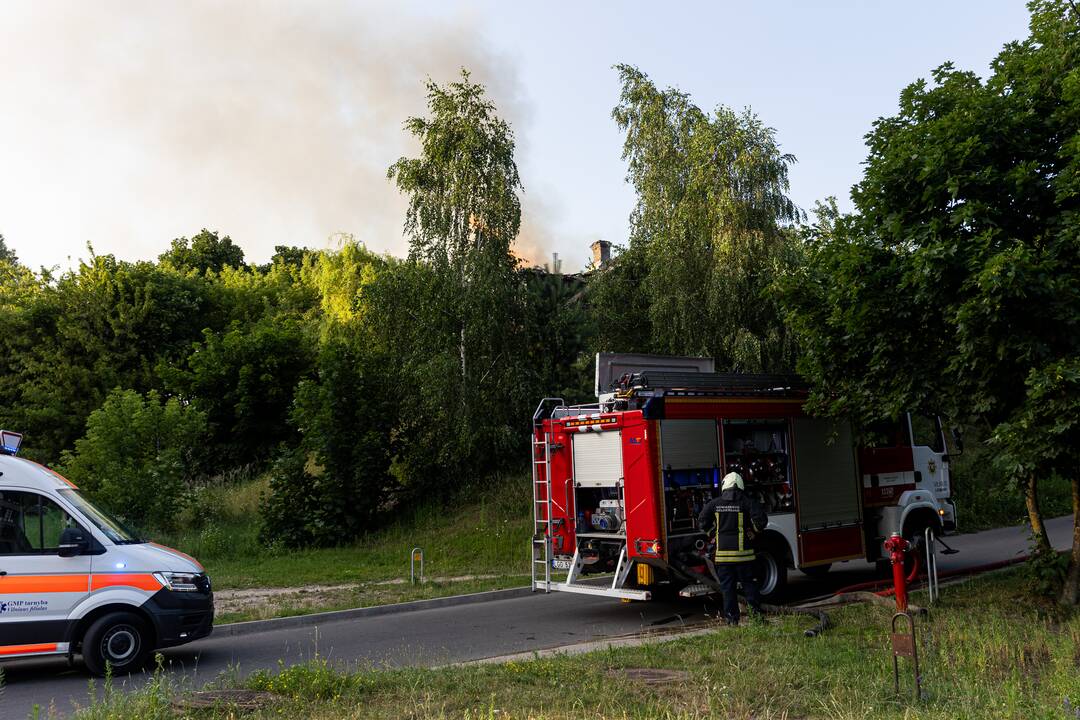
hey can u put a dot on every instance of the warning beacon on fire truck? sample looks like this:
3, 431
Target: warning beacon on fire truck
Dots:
617, 485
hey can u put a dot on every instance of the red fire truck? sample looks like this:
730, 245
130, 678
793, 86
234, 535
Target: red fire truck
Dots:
617, 485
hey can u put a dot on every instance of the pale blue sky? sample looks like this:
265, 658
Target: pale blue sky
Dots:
126, 126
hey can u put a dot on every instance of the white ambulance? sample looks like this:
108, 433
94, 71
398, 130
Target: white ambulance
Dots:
74, 580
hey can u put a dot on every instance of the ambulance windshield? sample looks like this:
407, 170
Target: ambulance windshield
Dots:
106, 523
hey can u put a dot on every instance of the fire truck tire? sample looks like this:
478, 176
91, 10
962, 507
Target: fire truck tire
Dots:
119, 641
772, 571
816, 571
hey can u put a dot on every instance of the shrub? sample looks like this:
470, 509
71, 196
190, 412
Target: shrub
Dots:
136, 455
328, 488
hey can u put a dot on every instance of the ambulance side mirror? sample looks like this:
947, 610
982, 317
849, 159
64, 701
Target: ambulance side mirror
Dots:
73, 541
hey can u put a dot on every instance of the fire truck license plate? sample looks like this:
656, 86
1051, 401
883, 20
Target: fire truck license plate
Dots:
560, 564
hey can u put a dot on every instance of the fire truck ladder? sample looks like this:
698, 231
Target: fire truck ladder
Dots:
541, 481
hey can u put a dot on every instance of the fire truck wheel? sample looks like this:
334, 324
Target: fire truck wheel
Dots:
772, 571
816, 571
119, 640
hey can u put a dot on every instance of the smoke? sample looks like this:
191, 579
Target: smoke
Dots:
129, 123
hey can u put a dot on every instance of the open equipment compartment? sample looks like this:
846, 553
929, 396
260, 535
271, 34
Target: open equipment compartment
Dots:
690, 458
760, 451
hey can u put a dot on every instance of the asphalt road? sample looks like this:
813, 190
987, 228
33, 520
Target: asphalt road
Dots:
467, 632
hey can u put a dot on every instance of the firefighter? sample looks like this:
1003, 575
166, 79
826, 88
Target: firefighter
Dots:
735, 517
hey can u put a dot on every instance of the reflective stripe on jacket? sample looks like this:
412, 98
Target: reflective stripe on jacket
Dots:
731, 516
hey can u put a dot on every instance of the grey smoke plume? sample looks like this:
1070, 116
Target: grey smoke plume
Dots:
129, 123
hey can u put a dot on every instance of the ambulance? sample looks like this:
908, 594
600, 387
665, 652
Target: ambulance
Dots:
75, 581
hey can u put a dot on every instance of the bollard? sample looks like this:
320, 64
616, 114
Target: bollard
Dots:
415, 555
931, 565
904, 645
896, 545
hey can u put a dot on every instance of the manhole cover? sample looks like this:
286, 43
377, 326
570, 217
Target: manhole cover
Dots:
650, 676
243, 700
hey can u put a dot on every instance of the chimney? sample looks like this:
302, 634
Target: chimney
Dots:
601, 253
556, 263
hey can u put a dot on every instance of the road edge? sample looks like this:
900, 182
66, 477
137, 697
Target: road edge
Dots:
251, 627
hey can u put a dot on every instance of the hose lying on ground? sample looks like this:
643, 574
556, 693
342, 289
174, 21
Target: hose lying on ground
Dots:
823, 619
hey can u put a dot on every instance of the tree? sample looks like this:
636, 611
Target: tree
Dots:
710, 228
330, 486
955, 286
207, 251
102, 325
244, 379
6, 254
463, 189
137, 454
459, 293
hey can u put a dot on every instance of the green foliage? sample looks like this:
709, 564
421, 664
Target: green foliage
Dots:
955, 287
709, 233
102, 325
7, 255
244, 380
453, 313
463, 188
205, 252
558, 332
619, 307
136, 455
329, 487
957, 277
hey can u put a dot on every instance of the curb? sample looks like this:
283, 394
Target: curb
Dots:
618, 641
252, 627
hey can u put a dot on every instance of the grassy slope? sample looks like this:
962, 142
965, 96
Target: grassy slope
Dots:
485, 531
987, 650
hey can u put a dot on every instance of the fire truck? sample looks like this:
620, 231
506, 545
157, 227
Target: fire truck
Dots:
618, 484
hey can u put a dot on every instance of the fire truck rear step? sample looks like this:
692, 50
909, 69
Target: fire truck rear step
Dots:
615, 589
600, 590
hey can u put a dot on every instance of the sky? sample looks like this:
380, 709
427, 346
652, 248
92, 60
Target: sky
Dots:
126, 124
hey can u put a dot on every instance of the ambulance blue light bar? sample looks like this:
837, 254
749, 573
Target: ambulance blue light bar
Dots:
9, 442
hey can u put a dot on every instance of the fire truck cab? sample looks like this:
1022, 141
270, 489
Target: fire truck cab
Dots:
618, 485
75, 580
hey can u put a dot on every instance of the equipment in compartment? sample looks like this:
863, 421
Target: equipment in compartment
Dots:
608, 517
685, 493
759, 451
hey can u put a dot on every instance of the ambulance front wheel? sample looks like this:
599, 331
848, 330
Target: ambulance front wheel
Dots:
119, 641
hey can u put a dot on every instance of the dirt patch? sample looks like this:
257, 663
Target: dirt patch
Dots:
264, 602
650, 676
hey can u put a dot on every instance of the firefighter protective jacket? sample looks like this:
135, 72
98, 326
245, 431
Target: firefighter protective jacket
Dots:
733, 515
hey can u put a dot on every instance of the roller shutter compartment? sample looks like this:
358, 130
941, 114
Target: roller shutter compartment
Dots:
598, 459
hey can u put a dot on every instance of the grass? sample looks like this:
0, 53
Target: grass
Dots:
988, 651
477, 541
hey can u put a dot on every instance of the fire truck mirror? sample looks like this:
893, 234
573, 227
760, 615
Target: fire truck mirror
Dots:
958, 441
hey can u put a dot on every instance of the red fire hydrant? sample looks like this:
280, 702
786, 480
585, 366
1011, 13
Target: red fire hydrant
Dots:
897, 547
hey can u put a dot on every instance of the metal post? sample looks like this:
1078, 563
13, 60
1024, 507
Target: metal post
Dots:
931, 565
904, 645
417, 553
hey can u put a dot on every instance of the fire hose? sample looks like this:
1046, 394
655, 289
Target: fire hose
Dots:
823, 619
871, 591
